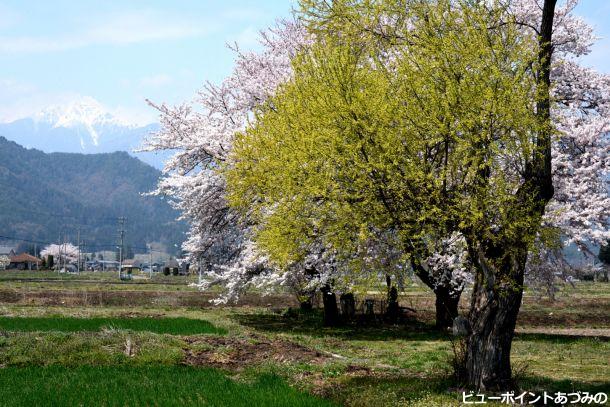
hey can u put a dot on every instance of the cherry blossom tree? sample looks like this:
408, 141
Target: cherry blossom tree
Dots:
579, 212
201, 134
65, 252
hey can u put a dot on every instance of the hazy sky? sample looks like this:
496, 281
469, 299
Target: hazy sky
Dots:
120, 52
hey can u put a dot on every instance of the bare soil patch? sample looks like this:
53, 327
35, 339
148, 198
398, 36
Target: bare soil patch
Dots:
237, 353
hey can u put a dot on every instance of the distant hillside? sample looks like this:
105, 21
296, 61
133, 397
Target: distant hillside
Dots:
43, 195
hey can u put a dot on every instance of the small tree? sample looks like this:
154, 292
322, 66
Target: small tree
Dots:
4, 262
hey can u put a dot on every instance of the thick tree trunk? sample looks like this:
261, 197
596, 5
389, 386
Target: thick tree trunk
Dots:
446, 307
331, 312
488, 359
496, 300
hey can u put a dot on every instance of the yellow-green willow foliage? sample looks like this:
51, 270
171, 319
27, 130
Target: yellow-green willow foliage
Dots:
418, 136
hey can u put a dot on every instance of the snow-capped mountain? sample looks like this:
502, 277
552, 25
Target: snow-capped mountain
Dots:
86, 113
81, 126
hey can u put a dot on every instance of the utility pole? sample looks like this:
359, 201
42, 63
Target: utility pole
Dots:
63, 249
78, 243
122, 221
148, 245
58, 260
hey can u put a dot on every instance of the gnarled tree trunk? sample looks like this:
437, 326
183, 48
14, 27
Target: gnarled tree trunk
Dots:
495, 305
331, 312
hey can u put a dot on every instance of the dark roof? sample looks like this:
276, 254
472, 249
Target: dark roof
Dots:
24, 258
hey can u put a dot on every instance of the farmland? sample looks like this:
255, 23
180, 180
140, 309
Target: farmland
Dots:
70, 340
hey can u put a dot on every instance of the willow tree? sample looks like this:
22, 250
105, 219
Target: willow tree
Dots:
447, 132
562, 182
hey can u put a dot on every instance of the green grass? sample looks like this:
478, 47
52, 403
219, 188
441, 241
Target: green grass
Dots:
45, 346
143, 386
173, 326
73, 349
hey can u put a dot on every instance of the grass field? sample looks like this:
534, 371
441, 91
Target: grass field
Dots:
66, 348
143, 386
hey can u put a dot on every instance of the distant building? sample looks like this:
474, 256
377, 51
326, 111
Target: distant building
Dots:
24, 261
173, 266
131, 265
7, 251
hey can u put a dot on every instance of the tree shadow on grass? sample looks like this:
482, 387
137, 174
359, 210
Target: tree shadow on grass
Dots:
311, 324
391, 389
442, 389
539, 384
558, 338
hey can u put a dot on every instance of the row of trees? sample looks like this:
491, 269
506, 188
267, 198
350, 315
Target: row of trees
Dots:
461, 139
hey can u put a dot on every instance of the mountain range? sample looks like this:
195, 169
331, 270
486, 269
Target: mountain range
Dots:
81, 126
45, 196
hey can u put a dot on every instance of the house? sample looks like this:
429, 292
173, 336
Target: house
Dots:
172, 266
7, 251
24, 261
131, 265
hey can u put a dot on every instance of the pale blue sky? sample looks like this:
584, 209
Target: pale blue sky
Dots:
120, 52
